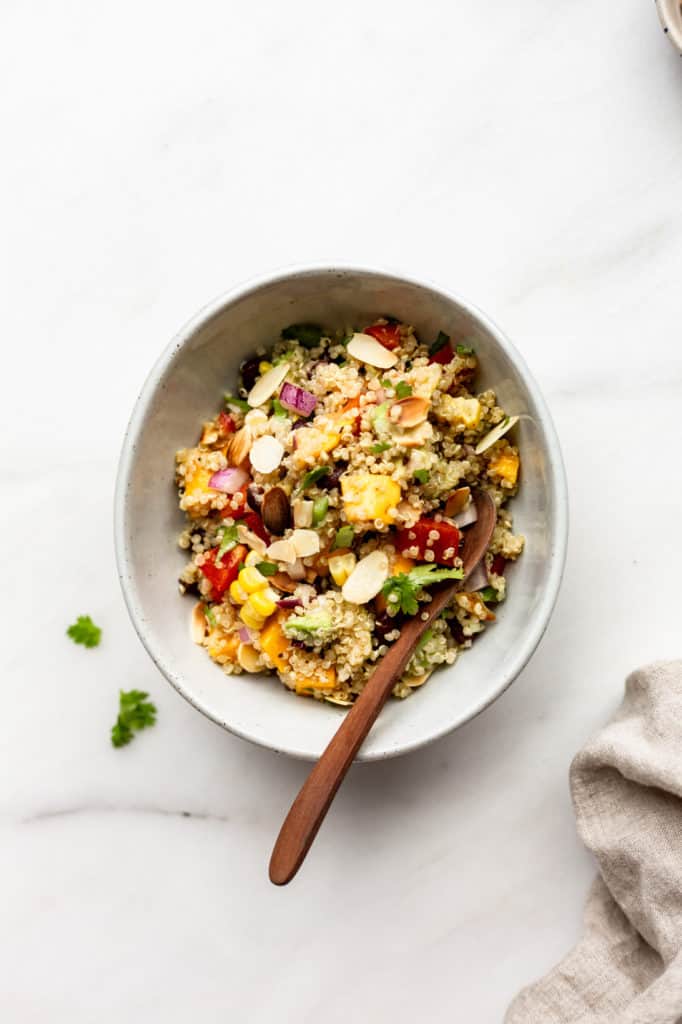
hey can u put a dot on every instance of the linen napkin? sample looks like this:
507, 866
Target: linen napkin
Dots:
626, 786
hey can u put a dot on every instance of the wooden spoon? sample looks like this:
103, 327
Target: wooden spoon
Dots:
313, 801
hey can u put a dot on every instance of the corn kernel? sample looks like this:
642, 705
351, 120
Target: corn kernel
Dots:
252, 580
237, 592
253, 558
341, 566
250, 617
264, 366
262, 603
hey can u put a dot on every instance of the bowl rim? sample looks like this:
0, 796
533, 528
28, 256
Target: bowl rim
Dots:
558, 485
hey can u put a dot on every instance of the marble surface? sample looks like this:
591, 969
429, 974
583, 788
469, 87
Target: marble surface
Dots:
154, 155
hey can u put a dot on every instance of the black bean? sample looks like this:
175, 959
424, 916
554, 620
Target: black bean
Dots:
249, 371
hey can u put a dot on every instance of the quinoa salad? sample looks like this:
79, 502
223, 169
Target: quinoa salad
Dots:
330, 493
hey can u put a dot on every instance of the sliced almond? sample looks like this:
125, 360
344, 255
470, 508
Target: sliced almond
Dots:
337, 700
297, 569
276, 511
411, 411
266, 385
495, 434
366, 579
457, 501
266, 454
209, 434
198, 623
255, 420
249, 658
240, 446
251, 539
414, 438
303, 512
282, 551
414, 681
282, 581
306, 543
368, 350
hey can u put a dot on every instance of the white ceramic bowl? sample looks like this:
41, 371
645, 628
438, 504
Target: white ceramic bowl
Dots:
670, 13
186, 386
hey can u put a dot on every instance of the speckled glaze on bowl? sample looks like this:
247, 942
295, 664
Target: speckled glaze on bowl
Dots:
186, 386
670, 13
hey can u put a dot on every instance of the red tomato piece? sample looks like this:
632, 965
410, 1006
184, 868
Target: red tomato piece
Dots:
225, 572
252, 521
418, 537
237, 506
387, 335
444, 355
226, 423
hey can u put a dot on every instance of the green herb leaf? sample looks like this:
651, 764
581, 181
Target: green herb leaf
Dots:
464, 350
313, 475
320, 506
135, 712
210, 616
421, 475
441, 341
237, 403
401, 591
382, 446
489, 595
344, 537
278, 409
84, 631
386, 384
402, 389
266, 568
307, 335
228, 539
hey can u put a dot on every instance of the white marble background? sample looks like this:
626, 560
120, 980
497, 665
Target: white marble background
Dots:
528, 155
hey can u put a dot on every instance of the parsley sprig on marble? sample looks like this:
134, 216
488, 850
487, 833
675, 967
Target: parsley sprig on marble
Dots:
135, 712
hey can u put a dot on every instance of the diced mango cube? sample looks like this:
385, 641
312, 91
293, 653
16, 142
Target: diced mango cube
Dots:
466, 411
311, 442
369, 496
506, 466
197, 481
324, 679
275, 644
222, 647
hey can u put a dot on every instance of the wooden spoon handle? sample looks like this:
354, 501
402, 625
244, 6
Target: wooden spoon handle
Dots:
312, 803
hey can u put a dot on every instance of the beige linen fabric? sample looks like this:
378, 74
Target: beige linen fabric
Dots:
627, 793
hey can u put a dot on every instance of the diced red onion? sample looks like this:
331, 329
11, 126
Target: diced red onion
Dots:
245, 635
467, 517
478, 579
229, 481
289, 602
297, 399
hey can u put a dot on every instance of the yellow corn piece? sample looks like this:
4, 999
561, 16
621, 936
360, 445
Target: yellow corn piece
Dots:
237, 592
251, 579
369, 496
275, 644
341, 566
250, 617
506, 466
264, 366
324, 679
262, 603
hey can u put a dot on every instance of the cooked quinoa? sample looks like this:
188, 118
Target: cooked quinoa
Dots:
327, 497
